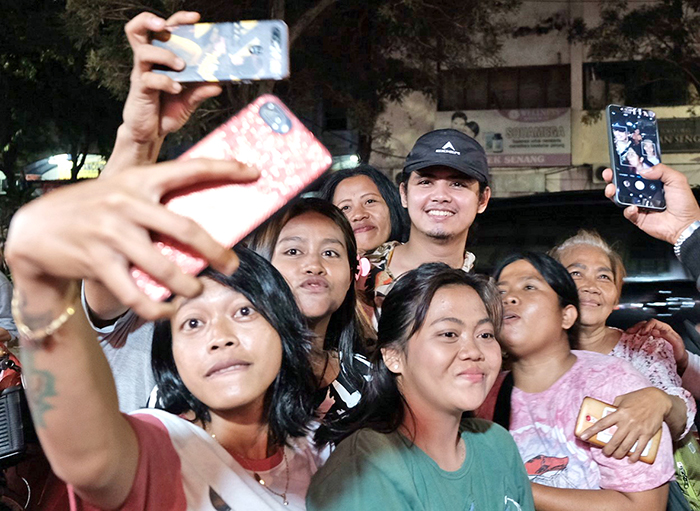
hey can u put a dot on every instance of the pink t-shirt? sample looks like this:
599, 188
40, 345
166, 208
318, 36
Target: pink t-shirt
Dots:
543, 424
182, 468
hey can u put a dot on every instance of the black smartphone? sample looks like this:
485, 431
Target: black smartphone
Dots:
633, 137
235, 51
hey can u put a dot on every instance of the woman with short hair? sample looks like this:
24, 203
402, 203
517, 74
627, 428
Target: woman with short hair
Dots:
540, 398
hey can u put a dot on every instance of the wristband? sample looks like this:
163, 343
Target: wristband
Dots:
687, 232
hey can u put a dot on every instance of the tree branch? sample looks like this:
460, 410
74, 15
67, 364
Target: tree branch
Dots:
307, 18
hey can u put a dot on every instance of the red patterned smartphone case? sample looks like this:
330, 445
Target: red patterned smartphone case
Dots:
265, 134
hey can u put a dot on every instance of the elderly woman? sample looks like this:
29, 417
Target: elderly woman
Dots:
598, 272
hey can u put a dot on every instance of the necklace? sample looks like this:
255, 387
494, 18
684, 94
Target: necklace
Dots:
262, 482
282, 495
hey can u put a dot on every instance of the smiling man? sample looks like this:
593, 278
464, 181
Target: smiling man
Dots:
445, 184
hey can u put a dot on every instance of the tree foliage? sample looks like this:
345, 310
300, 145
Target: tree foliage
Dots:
48, 105
357, 55
666, 32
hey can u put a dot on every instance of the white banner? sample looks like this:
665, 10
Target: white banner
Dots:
516, 138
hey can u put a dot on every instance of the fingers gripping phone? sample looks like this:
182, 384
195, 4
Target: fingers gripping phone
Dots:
592, 410
218, 52
265, 134
633, 138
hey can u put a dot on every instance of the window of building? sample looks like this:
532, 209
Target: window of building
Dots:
505, 88
638, 83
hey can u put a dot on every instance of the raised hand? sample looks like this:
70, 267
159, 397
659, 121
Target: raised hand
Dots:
681, 207
98, 229
156, 105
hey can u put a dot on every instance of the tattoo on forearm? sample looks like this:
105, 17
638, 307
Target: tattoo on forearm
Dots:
35, 320
41, 385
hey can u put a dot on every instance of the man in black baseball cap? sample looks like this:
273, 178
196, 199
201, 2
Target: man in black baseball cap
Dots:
445, 184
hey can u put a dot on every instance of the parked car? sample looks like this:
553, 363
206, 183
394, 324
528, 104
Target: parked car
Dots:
657, 285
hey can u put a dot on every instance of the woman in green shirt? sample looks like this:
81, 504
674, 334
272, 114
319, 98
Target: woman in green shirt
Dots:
406, 445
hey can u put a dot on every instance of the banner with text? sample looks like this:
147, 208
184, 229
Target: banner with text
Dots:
516, 138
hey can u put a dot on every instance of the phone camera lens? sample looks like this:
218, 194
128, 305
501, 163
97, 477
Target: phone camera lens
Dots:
275, 117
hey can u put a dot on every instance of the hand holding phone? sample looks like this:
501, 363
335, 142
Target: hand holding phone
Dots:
633, 139
593, 410
156, 106
265, 135
681, 209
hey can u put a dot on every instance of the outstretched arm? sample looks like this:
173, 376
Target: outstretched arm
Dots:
96, 230
72, 396
156, 106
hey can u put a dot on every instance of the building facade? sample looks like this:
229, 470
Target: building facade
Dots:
540, 114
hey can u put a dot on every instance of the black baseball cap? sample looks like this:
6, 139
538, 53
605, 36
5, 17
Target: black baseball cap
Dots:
449, 148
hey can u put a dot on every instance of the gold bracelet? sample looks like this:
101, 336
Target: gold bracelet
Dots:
34, 338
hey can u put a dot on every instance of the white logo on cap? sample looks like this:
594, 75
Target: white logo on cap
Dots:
448, 148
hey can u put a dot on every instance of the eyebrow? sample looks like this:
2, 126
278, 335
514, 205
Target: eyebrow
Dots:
299, 238
459, 321
335, 241
361, 196
584, 267
289, 238
535, 277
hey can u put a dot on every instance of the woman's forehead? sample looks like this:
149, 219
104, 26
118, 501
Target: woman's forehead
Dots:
211, 290
312, 226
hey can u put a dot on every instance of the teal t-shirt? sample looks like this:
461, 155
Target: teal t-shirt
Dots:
373, 471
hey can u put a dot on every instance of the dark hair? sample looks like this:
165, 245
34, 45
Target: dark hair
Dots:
459, 115
404, 310
558, 279
400, 223
344, 327
288, 404
474, 127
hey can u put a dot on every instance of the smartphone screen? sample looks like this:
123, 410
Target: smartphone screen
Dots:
633, 137
217, 52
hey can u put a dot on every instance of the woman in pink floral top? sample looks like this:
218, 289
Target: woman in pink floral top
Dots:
540, 398
598, 272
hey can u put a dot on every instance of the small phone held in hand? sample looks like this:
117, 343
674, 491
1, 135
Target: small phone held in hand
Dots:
633, 138
592, 410
219, 52
265, 134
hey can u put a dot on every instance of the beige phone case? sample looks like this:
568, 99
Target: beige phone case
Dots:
592, 410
